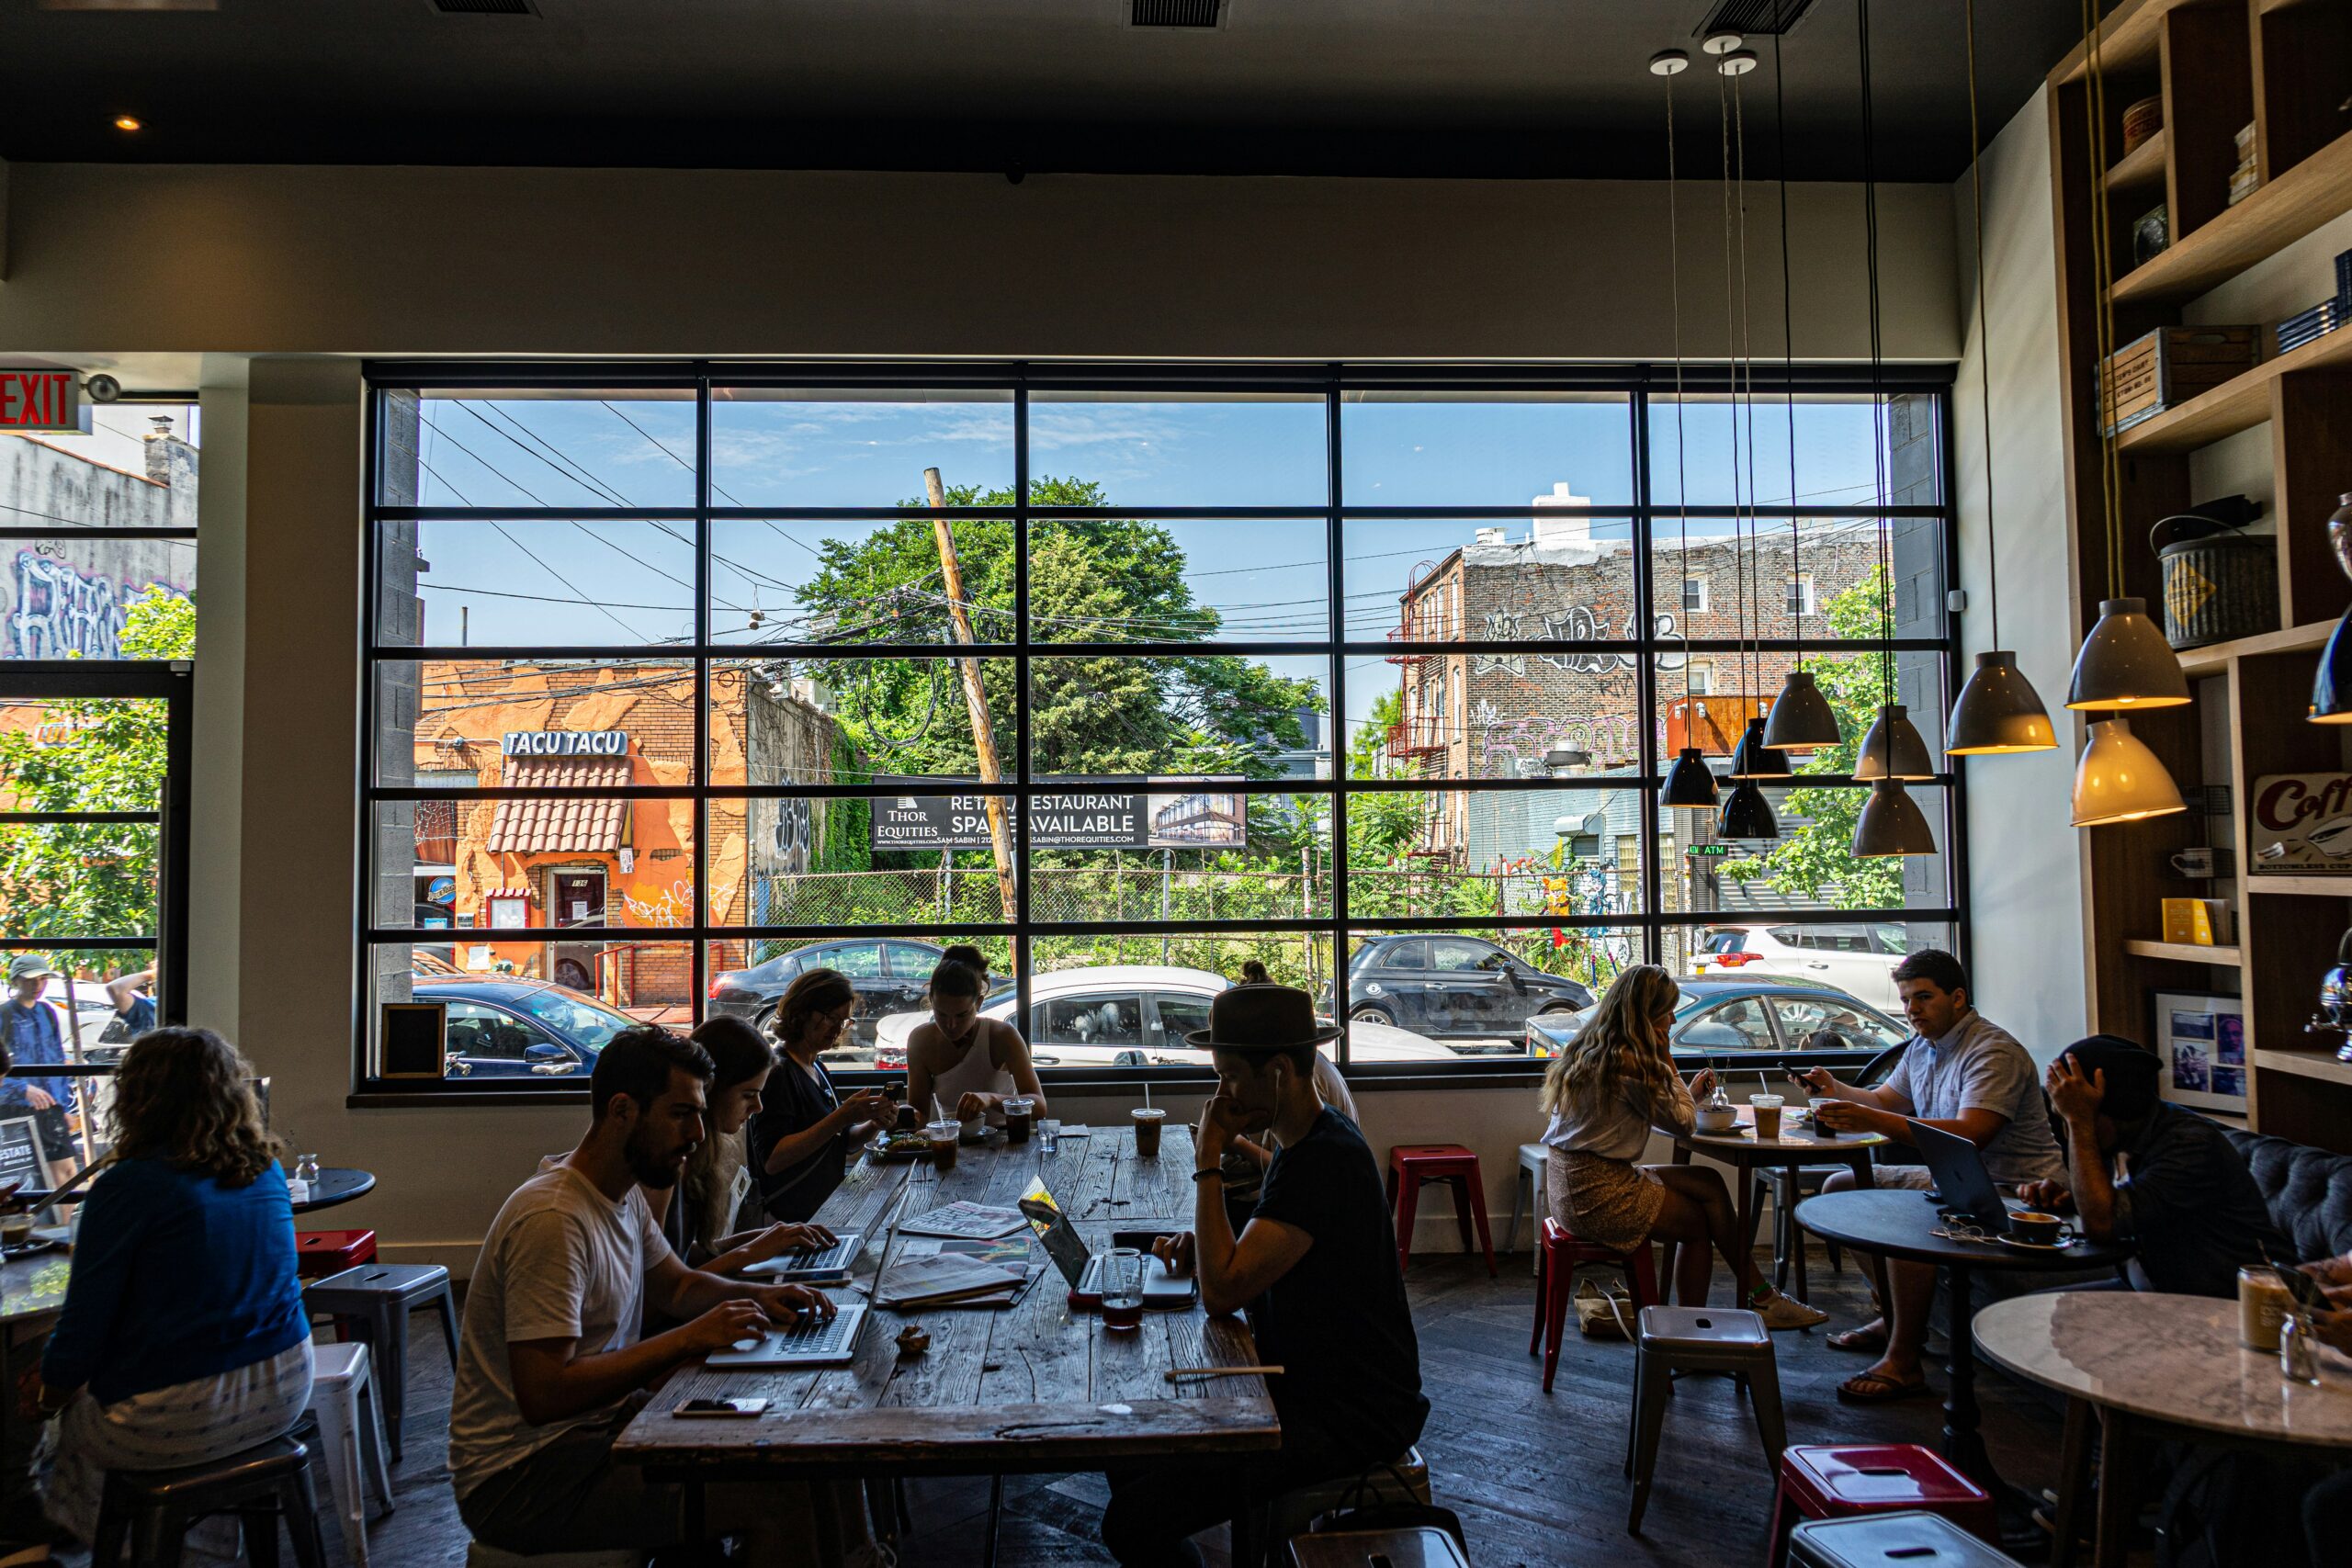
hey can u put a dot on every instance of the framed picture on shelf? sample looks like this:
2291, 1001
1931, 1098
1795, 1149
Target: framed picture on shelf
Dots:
2200, 1040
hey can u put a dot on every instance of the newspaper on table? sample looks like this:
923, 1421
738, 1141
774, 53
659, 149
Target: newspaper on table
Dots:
965, 1220
942, 1277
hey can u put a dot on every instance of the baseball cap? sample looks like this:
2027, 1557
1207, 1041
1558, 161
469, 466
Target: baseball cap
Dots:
29, 967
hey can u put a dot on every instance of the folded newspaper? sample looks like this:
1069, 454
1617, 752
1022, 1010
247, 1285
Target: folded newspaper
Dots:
965, 1220
942, 1277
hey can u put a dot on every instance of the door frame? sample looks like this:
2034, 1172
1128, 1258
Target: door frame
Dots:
174, 683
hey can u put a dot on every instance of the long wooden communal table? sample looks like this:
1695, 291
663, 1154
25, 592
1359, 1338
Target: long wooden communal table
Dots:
1033, 1387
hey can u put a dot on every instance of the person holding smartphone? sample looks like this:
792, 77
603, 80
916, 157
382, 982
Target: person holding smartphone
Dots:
801, 1139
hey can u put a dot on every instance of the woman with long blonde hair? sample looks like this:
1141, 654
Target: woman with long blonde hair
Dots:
1605, 1092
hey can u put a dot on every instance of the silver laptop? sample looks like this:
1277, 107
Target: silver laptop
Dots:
821, 1266
829, 1343
1962, 1184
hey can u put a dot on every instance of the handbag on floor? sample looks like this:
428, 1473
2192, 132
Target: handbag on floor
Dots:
1603, 1313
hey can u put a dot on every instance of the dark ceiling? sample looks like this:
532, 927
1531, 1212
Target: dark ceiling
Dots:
1507, 88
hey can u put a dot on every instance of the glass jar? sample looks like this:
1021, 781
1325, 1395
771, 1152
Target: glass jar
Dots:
2298, 1349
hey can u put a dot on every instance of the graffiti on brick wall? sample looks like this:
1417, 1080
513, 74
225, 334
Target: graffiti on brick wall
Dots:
62, 612
1576, 622
1508, 744
669, 909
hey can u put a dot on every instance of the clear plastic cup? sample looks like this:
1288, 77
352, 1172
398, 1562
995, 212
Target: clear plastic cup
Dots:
1148, 1119
1816, 1102
1768, 1115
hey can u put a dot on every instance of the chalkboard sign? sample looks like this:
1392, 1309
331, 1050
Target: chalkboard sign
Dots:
410, 1039
20, 1153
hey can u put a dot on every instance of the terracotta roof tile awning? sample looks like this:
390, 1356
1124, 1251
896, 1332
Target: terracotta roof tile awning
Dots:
560, 827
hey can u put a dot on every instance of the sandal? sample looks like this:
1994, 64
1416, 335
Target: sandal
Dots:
1877, 1388
1869, 1340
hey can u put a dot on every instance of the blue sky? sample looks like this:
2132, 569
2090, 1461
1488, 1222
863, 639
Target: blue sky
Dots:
603, 583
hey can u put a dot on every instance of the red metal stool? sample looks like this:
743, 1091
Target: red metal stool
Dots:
1847, 1482
1411, 1165
318, 1253
1558, 1255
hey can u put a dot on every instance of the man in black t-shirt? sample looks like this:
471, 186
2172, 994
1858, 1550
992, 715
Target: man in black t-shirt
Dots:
1317, 1267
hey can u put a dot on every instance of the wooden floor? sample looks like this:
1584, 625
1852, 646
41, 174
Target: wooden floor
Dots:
1536, 1477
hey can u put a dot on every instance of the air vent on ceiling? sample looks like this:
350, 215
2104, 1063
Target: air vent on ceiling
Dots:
1174, 12
485, 7
1756, 18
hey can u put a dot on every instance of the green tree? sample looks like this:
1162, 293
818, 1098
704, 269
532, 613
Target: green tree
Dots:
96, 879
1816, 862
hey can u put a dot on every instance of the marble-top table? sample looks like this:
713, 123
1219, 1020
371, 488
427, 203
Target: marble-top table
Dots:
2153, 1366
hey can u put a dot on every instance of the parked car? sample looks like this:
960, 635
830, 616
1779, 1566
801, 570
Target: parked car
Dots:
1858, 958
1454, 988
1133, 1015
892, 977
1715, 1019
506, 1026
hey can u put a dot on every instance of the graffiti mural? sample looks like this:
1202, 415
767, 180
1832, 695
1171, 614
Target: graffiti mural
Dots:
62, 612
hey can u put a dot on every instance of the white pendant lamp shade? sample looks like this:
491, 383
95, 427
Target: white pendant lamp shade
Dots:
1998, 712
1894, 749
1801, 720
2126, 663
1891, 824
2120, 780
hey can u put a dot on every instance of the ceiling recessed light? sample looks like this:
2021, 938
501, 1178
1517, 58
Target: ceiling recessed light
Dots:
129, 122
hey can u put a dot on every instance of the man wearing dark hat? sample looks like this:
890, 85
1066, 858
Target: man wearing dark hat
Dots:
2153, 1174
1316, 1266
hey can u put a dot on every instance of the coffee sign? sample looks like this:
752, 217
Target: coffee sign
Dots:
567, 743
2301, 825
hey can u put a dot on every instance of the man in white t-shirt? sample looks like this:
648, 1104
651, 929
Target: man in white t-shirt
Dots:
550, 1367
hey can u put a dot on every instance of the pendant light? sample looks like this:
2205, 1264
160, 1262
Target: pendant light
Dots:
1800, 718
1746, 813
1688, 784
1891, 822
1998, 711
2119, 779
2125, 662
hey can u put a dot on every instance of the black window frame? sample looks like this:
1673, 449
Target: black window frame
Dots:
1335, 384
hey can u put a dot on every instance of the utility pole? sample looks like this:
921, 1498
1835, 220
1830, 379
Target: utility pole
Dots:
975, 699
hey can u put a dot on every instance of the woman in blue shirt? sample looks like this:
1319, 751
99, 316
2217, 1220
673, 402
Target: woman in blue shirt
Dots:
183, 1337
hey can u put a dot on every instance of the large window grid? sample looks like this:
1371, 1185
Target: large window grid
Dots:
1652, 931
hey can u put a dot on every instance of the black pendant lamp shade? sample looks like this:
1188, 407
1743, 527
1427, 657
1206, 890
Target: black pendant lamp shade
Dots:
1891, 824
1998, 712
2126, 663
1746, 814
1689, 784
1801, 720
1754, 758
2332, 688
1894, 749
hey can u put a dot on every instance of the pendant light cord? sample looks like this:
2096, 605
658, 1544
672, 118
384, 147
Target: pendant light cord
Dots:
1788, 339
1878, 390
1754, 673
1984, 332
2110, 472
1730, 352
1681, 463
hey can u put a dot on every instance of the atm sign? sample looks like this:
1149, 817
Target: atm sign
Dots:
39, 400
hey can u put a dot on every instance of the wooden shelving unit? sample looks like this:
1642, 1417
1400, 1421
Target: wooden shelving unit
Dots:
2285, 65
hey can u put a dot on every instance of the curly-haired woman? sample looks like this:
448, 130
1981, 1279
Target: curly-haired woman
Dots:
183, 1337
1605, 1093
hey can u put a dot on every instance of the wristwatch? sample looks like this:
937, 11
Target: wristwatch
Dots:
1207, 1172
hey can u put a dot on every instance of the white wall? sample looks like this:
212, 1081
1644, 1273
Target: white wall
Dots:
290, 274
2024, 867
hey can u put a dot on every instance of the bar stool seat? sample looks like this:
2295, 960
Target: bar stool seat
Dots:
1534, 1174
1857, 1481
1411, 1165
1405, 1480
1891, 1541
1422, 1548
318, 1253
156, 1508
1558, 1255
375, 1299
1695, 1340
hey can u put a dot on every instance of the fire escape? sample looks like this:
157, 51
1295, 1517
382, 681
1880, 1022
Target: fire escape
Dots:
1418, 741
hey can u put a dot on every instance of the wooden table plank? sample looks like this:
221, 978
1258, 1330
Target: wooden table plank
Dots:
1032, 1387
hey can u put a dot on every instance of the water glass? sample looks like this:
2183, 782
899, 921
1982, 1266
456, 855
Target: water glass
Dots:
1049, 1134
1123, 1289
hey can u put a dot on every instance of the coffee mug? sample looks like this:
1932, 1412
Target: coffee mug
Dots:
2201, 860
2036, 1229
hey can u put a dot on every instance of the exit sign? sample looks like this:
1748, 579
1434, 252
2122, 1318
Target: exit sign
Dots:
1697, 850
39, 400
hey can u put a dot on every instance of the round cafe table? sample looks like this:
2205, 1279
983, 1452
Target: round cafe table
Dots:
2151, 1366
337, 1184
1901, 1222
1798, 1145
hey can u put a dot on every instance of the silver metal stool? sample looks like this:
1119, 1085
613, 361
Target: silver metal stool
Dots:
1698, 1339
1406, 1480
1535, 1165
1891, 1541
377, 1298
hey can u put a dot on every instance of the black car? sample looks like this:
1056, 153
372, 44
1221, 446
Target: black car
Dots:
1719, 1021
1454, 988
890, 975
501, 1027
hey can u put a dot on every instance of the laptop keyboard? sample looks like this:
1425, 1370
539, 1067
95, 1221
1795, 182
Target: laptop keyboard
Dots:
826, 1337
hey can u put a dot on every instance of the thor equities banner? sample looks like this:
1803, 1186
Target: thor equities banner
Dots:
1088, 818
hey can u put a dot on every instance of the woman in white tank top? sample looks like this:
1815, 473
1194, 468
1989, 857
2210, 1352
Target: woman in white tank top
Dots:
969, 1063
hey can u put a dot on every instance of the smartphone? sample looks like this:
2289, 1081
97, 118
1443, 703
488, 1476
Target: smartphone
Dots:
896, 1091
1140, 1240
719, 1407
